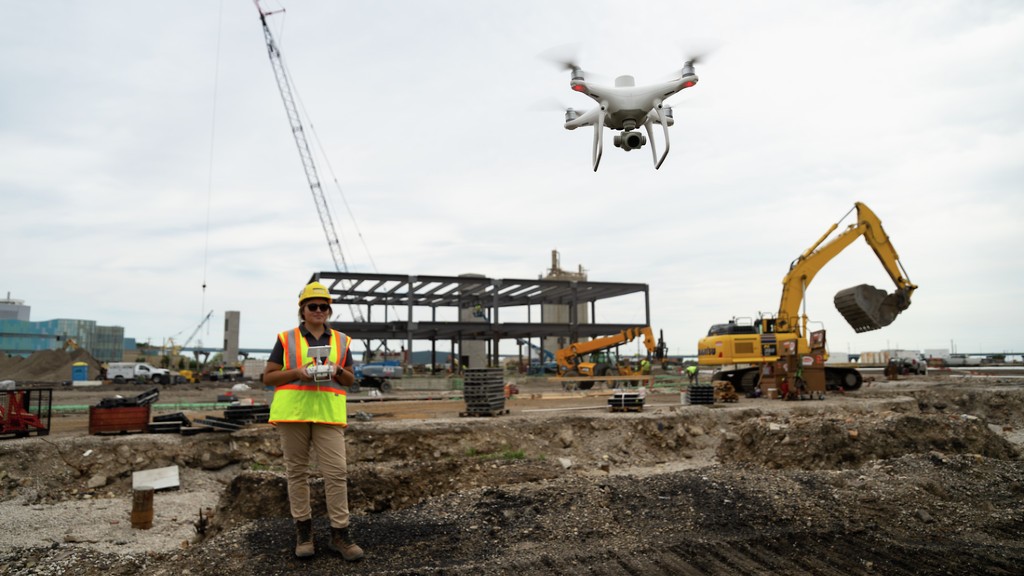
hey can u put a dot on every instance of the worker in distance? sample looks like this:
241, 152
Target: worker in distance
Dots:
310, 369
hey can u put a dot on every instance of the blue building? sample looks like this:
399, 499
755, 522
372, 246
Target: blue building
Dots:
19, 336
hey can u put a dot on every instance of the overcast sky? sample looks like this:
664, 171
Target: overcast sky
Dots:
146, 151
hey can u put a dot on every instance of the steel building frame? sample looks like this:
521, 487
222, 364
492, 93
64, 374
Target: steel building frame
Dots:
371, 296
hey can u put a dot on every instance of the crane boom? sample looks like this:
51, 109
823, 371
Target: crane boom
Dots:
568, 358
284, 87
198, 328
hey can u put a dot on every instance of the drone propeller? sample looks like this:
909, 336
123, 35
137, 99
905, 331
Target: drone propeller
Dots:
697, 58
688, 67
550, 105
567, 64
697, 51
565, 57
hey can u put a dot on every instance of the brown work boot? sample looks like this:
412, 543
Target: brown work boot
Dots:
304, 538
342, 543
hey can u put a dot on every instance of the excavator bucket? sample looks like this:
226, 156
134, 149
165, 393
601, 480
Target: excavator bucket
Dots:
868, 308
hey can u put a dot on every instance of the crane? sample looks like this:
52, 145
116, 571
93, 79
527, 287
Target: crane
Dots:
284, 86
172, 348
299, 133
193, 375
198, 328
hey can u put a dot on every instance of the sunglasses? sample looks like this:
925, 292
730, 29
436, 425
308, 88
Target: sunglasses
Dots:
318, 307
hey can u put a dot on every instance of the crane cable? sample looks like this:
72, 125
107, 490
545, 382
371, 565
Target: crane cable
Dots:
344, 199
348, 208
330, 169
209, 175
299, 118
326, 159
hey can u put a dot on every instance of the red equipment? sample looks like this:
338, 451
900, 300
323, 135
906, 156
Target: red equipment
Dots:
23, 411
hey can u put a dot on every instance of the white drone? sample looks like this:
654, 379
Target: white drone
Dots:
626, 106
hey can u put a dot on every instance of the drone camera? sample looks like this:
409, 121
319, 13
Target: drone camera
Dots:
630, 140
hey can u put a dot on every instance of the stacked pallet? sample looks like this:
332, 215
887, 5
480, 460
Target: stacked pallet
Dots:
700, 394
484, 391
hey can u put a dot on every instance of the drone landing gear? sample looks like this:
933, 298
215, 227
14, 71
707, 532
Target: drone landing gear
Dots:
599, 137
663, 119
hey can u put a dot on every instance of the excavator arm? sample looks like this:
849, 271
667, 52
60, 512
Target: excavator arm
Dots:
864, 307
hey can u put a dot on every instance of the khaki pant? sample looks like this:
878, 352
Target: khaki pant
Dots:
297, 440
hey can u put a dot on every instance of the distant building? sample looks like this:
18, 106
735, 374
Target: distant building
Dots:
13, 309
838, 358
882, 357
19, 336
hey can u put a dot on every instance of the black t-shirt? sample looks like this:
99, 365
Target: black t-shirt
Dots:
277, 355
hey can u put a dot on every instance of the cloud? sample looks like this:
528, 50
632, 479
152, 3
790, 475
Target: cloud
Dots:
147, 152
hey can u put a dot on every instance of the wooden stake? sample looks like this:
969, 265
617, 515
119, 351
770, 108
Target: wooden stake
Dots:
142, 508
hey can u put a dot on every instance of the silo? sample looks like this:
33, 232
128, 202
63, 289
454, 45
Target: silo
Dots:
232, 321
559, 313
473, 352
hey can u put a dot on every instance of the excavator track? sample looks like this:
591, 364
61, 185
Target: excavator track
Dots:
744, 380
867, 308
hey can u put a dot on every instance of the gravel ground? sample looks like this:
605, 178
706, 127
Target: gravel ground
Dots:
911, 478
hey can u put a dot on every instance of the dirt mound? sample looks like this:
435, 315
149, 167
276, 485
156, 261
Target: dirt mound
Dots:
815, 443
62, 467
996, 403
51, 366
9, 364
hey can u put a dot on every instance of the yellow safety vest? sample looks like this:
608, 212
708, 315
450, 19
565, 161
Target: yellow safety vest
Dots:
318, 402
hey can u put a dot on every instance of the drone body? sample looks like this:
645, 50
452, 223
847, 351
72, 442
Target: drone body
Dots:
626, 107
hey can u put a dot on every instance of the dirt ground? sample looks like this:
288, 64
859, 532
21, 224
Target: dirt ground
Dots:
920, 476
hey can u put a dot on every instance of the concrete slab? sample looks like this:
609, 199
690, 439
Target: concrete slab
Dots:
156, 478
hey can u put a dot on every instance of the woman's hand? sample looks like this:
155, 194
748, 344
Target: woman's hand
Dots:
344, 377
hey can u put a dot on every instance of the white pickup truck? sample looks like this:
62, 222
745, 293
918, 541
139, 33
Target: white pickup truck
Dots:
140, 372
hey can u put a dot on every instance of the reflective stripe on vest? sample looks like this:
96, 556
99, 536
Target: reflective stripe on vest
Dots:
319, 402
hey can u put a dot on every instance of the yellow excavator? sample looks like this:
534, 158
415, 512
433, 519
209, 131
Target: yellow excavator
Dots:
864, 307
573, 360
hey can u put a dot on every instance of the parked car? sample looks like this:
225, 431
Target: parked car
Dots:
914, 366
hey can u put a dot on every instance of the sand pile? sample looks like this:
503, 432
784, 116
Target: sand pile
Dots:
46, 366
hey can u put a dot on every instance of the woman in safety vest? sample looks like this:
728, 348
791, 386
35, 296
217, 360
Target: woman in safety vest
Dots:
310, 414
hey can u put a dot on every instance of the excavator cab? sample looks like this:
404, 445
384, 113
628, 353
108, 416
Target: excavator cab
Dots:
868, 308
